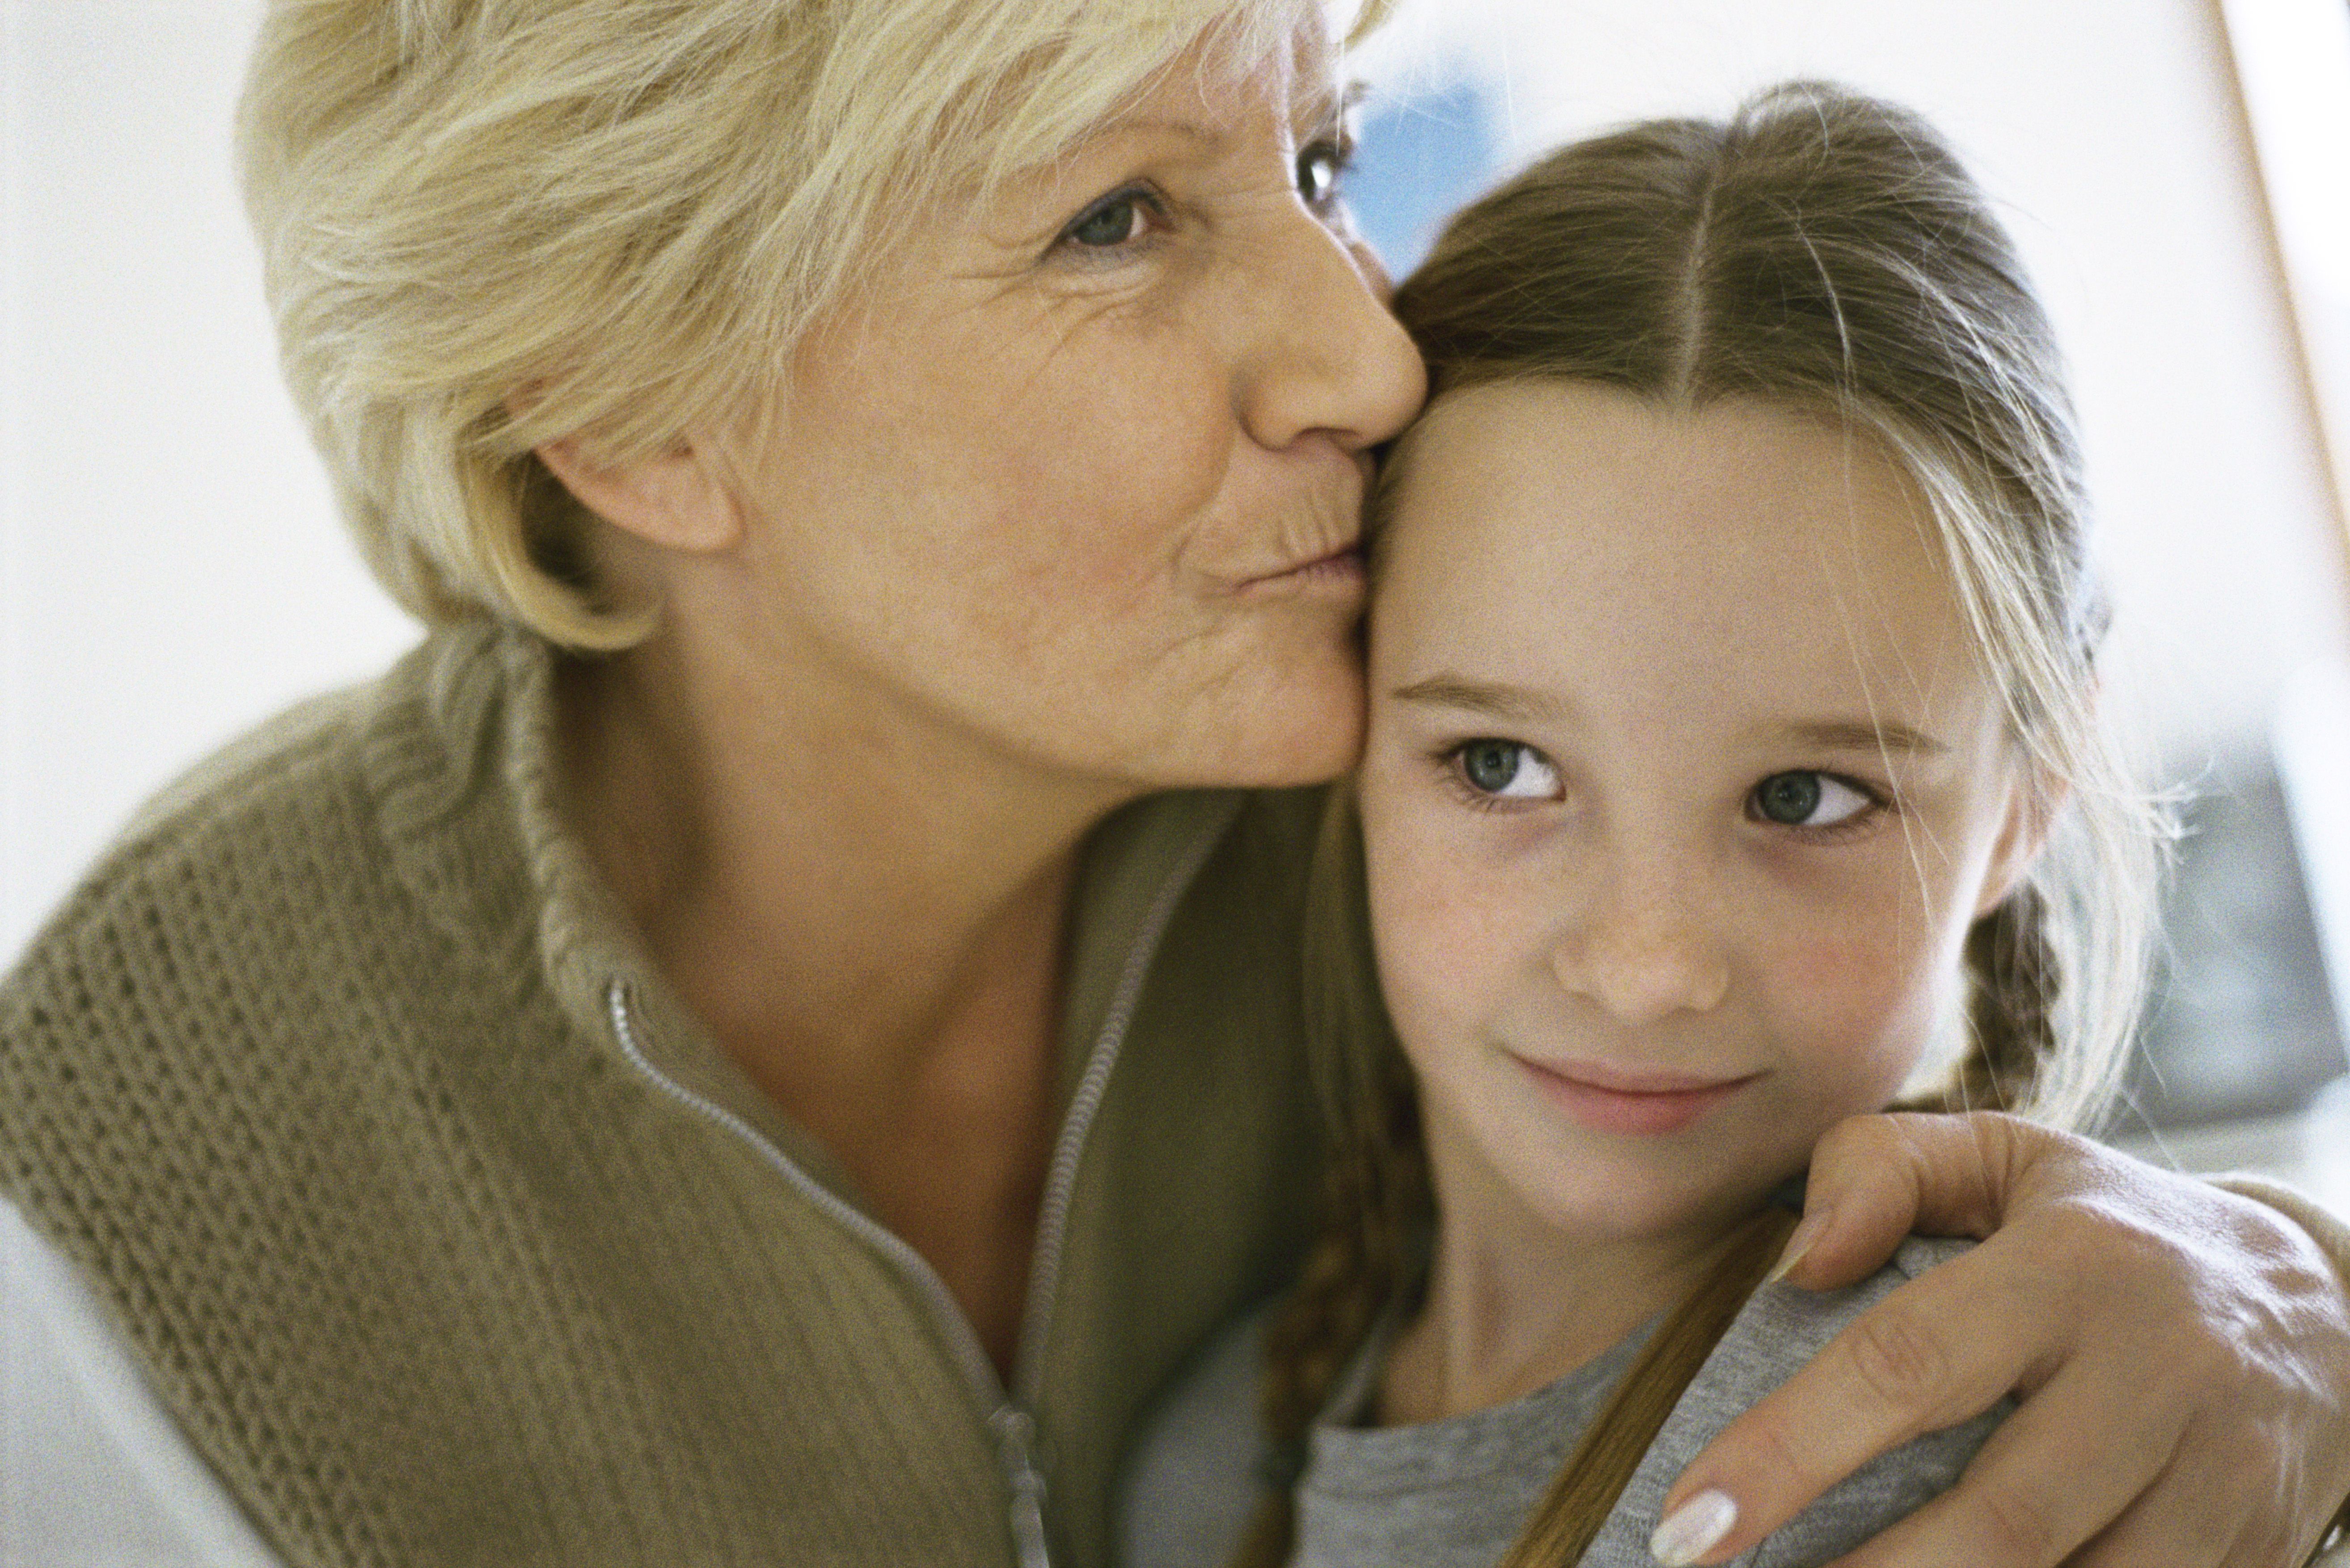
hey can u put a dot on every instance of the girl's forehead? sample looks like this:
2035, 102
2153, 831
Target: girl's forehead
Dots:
1572, 477
1586, 533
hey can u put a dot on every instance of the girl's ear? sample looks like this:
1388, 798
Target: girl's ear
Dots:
677, 499
2033, 800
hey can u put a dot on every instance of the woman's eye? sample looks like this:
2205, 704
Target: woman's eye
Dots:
1808, 799
1506, 770
1114, 221
1320, 162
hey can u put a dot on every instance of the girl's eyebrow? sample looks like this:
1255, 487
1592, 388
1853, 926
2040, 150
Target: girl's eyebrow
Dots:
1517, 704
1523, 705
1865, 736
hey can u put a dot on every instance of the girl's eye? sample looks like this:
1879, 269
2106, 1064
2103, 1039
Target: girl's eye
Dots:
1320, 162
1505, 770
1807, 799
1112, 221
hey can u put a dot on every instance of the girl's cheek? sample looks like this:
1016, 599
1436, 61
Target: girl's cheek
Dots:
1847, 959
1441, 920
1856, 989
1847, 923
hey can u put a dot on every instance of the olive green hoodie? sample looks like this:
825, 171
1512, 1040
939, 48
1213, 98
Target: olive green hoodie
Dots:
448, 1238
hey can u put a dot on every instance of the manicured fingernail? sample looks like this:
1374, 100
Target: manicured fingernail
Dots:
1693, 1529
1813, 1226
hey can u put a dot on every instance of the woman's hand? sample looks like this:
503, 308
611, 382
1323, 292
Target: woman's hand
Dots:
2181, 1354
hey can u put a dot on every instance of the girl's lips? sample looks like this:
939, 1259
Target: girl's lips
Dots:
1641, 1103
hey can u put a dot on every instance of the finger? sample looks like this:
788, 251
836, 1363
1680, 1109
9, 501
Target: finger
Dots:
1940, 1349
1877, 1179
2027, 1501
2224, 1309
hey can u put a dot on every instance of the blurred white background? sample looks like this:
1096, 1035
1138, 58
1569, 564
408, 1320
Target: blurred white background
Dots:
171, 570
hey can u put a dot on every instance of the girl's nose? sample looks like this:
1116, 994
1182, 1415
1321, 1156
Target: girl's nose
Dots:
1644, 949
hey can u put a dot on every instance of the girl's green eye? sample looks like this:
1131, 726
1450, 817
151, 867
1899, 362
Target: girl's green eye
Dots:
1807, 799
1489, 764
1788, 798
1506, 769
1115, 221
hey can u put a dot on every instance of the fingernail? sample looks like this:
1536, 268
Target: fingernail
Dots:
1693, 1529
1806, 1234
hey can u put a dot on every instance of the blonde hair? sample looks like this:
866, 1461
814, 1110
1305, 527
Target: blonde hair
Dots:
1826, 253
489, 224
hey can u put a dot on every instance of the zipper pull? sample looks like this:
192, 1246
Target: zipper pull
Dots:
1016, 1441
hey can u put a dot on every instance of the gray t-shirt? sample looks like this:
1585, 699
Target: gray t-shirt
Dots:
1455, 1493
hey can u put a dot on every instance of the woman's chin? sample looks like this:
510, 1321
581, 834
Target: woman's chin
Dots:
1311, 734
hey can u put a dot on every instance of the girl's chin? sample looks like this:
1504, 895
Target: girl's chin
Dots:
1610, 1202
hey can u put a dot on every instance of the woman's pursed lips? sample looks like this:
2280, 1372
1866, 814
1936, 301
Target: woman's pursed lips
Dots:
1339, 571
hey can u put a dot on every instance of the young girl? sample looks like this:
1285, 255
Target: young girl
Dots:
1733, 761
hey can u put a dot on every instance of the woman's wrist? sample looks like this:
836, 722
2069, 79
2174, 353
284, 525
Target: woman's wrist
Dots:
2325, 1227
2328, 1231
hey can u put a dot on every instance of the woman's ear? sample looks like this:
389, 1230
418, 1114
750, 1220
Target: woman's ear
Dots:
677, 499
2033, 799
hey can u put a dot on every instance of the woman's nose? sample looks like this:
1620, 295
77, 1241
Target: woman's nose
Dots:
1644, 948
1326, 354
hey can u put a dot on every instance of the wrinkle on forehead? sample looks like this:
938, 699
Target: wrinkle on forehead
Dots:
1232, 56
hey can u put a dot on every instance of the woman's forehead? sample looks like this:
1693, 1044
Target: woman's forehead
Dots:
1237, 67
1212, 104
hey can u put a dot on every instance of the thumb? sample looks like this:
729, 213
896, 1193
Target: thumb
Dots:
1875, 1179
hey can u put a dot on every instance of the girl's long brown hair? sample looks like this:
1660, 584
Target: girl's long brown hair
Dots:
1825, 253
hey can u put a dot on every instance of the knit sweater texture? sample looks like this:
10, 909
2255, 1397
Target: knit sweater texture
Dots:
318, 1081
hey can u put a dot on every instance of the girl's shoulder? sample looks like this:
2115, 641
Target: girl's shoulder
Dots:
1780, 1330
1191, 1480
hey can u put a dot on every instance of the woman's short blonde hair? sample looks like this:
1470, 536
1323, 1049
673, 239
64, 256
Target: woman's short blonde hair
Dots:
489, 224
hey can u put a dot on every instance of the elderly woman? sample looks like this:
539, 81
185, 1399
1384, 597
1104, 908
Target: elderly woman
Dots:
772, 1032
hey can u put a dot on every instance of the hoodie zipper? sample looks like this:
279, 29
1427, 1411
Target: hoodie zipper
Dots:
1010, 1413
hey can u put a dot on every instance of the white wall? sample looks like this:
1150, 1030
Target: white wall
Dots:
2294, 58
169, 570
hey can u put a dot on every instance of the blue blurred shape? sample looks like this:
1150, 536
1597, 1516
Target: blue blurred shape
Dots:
1418, 157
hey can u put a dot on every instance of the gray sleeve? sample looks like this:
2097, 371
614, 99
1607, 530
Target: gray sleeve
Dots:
1189, 1484
1780, 1330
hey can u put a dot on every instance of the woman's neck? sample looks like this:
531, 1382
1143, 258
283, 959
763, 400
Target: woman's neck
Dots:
812, 865
1513, 1302
867, 917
